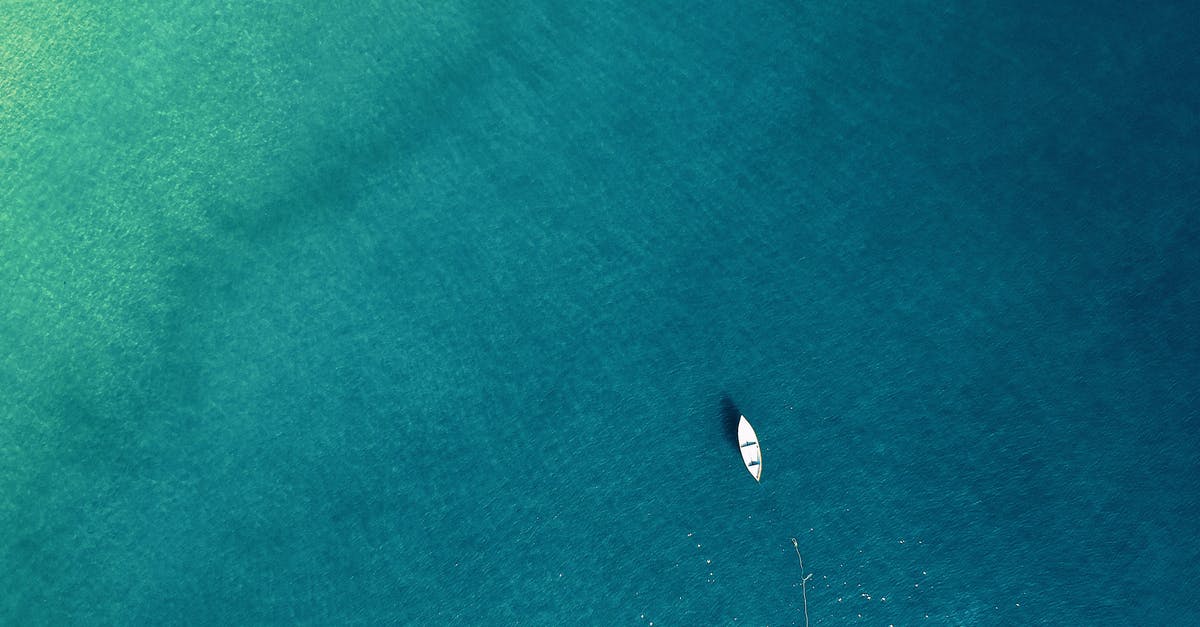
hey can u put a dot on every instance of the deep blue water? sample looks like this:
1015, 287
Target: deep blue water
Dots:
424, 314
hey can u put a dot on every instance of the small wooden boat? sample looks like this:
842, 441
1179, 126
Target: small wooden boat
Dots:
751, 451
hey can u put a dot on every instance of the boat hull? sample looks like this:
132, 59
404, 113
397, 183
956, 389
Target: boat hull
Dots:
751, 450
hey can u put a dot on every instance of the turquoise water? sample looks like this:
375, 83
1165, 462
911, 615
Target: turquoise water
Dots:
424, 313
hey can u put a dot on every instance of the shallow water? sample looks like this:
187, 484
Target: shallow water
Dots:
426, 315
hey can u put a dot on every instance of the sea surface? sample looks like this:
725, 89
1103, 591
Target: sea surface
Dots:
435, 313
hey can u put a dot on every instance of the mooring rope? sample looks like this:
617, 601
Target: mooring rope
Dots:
803, 581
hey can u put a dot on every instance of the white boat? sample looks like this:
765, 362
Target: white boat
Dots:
751, 451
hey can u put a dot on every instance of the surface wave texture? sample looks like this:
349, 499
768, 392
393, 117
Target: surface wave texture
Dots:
432, 312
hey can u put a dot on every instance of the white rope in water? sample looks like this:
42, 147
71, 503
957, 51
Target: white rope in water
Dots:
803, 581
